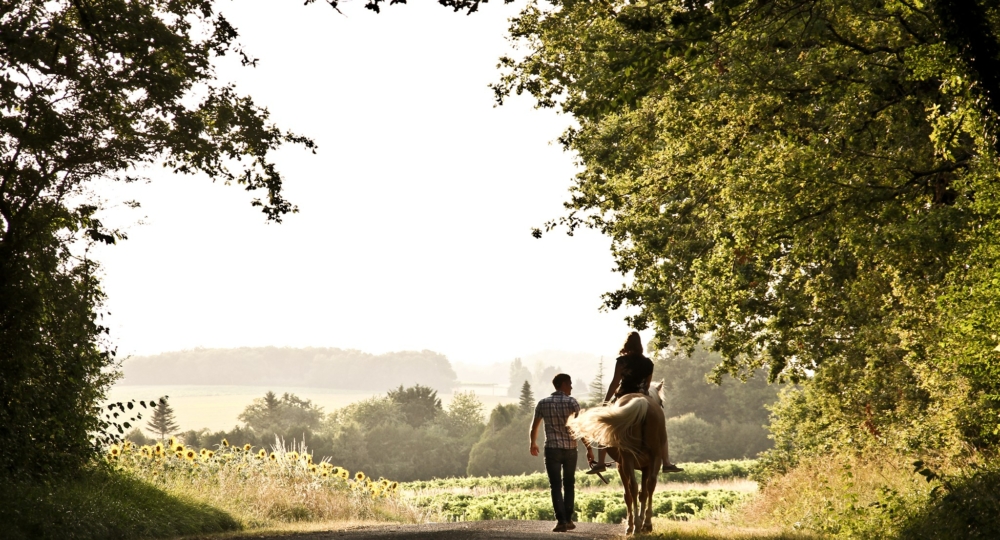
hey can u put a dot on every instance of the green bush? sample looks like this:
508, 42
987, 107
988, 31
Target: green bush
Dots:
966, 505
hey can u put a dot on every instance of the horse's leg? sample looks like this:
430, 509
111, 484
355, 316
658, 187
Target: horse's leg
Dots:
628, 482
649, 478
628, 489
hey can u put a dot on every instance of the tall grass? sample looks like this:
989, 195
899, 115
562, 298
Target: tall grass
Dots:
261, 487
851, 496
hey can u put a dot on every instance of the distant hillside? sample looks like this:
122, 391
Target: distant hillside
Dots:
312, 367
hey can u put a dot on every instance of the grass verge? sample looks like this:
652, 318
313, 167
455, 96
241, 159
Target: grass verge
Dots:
666, 529
102, 504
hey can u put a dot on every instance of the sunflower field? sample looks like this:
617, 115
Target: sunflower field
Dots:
261, 487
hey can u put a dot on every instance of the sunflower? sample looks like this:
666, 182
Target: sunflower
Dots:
292, 456
247, 447
225, 443
173, 442
344, 474
313, 469
158, 449
325, 475
114, 451
189, 455
394, 486
203, 452
273, 457
178, 447
262, 454
359, 476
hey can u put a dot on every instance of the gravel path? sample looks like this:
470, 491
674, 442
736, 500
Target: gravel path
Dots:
468, 530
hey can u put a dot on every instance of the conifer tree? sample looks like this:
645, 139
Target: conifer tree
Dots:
527, 402
163, 422
596, 388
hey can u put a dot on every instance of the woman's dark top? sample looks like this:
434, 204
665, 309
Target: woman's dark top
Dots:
636, 368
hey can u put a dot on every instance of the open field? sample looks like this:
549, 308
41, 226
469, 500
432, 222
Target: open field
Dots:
216, 407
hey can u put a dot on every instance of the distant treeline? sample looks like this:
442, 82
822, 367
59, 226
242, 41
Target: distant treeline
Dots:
309, 367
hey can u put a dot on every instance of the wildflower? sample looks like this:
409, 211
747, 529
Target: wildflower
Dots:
394, 486
158, 449
173, 442
114, 451
313, 469
247, 447
359, 476
211, 454
344, 474
262, 454
309, 459
273, 457
178, 447
225, 443
203, 451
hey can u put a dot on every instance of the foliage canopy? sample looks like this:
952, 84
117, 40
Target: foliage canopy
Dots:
96, 90
809, 182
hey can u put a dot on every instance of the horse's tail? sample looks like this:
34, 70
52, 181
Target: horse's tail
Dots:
619, 427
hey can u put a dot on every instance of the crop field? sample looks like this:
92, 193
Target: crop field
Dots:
701, 489
604, 506
694, 473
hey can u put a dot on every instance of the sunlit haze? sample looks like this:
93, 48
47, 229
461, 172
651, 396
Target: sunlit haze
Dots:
415, 214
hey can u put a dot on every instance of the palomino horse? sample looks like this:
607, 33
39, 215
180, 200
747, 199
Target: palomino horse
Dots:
634, 432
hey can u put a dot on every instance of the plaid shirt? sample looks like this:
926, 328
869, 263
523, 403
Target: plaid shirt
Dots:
556, 410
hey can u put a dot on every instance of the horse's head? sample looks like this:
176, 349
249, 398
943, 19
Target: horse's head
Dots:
656, 392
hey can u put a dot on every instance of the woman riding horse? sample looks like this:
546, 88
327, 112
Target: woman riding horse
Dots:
633, 373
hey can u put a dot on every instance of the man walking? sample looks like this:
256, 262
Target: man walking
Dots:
560, 448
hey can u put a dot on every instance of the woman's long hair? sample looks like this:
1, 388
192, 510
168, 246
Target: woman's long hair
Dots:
633, 345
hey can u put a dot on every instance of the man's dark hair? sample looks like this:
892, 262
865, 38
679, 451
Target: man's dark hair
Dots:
559, 379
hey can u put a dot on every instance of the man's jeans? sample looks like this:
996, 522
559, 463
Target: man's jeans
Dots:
561, 462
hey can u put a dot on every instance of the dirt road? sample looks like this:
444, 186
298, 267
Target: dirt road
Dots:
469, 530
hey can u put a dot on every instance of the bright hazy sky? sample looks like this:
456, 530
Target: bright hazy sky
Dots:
415, 215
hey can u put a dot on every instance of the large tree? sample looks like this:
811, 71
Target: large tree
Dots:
98, 89
812, 183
